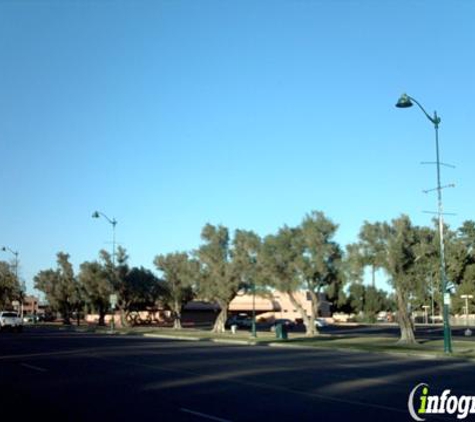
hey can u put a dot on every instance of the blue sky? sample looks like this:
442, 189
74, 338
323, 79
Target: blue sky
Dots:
167, 115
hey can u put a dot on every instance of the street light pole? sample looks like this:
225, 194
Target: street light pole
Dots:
254, 334
468, 332
406, 101
253, 287
113, 222
16, 253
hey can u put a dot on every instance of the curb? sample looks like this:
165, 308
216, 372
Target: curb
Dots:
402, 354
172, 337
240, 342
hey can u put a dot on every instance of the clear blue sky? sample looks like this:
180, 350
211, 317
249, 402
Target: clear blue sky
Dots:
167, 115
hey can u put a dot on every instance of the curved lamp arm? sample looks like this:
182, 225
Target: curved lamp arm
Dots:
97, 214
6, 248
406, 101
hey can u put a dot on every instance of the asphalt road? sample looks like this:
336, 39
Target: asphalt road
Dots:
65, 376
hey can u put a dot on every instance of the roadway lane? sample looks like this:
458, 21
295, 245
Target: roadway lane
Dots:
82, 377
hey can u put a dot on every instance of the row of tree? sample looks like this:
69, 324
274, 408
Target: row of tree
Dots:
304, 257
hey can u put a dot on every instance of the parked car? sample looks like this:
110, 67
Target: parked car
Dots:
30, 319
321, 322
288, 323
10, 321
240, 321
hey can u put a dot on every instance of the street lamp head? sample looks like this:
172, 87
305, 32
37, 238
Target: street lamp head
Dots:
404, 101
95, 214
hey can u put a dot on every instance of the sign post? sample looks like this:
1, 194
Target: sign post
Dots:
113, 304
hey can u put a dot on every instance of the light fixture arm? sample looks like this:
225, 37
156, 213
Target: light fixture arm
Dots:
96, 214
6, 248
435, 119
113, 222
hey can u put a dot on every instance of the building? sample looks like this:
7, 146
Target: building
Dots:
277, 305
31, 305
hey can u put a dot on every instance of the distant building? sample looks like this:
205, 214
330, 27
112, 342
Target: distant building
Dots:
31, 305
277, 305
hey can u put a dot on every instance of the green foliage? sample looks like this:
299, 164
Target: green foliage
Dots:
356, 297
61, 288
279, 254
393, 248
320, 260
94, 279
140, 289
9, 285
244, 258
216, 282
305, 257
136, 288
225, 267
179, 274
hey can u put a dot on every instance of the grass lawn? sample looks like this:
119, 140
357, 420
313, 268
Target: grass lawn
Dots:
461, 348
429, 348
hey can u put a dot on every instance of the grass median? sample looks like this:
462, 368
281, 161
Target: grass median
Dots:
363, 343
424, 347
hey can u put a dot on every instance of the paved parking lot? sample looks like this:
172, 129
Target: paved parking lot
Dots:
73, 376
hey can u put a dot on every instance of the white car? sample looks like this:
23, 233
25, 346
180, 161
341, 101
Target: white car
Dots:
320, 322
10, 320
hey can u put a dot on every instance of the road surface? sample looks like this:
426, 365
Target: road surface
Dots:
56, 375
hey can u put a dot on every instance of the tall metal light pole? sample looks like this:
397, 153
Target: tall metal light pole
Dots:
253, 287
253, 330
113, 297
16, 253
406, 101
113, 222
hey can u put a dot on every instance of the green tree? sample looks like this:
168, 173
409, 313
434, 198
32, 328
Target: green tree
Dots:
372, 247
179, 274
356, 297
279, 258
461, 265
216, 282
245, 264
225, 266
136, 288
97, 286
394, 249
10, 289
318, 260
375, 301
60, 287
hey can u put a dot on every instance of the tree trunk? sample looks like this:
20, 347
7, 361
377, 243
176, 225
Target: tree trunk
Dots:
66, 314
314, 310
219, 324
102, 316
310, 330
176, 316
123, 317
404, 320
